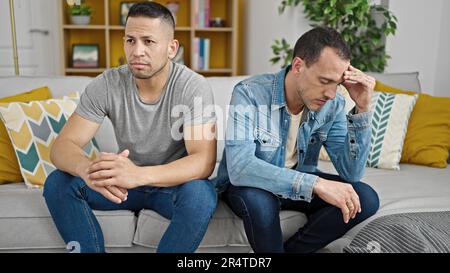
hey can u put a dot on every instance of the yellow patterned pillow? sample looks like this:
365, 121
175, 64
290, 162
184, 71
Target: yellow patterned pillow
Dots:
32, 128
9, 167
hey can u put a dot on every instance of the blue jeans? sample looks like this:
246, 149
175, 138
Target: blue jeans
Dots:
259, 210
189, 206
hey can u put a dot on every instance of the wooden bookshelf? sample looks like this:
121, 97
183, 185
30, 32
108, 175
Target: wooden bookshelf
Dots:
106, 31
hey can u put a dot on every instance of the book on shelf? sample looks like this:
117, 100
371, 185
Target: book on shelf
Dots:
207, 53
201, 57
207, 12
202, 13
195, 53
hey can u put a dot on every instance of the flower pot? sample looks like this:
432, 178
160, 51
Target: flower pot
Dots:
80, 19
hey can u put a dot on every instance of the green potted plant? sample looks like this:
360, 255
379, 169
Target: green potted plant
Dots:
363, 26
80, 14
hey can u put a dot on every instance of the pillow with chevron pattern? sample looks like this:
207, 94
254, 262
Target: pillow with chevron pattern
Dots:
33, 128
390, 120
9, 167
391, 113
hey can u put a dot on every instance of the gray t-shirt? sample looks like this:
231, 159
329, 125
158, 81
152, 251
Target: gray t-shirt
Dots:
152, 132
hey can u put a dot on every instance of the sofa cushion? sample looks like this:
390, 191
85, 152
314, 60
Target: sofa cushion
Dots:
413, 189
427, 140
225, 228
405, 81
9, 167
391, 114
33, 127
25, 222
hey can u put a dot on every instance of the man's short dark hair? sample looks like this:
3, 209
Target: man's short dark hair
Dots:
152, 10
310, 45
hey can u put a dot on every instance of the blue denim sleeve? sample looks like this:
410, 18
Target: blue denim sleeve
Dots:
244, 168
348, 143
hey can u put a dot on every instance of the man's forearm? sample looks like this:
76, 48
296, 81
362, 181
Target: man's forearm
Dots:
247, 170
183, 170
68, 157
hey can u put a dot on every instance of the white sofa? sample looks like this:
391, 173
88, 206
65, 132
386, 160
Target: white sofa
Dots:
26, 226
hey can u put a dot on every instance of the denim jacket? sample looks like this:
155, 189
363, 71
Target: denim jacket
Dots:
257, 131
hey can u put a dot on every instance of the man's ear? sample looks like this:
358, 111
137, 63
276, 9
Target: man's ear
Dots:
298, 65
173, 48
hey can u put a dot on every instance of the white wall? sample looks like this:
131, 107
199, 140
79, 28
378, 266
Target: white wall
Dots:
442, 79
415, 47
420, 44
263, 26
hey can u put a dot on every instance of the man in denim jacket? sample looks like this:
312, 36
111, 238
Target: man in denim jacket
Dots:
276, 127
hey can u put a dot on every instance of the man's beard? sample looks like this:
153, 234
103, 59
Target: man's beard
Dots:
142, 76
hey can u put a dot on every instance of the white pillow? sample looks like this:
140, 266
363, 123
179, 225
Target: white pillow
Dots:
390, 120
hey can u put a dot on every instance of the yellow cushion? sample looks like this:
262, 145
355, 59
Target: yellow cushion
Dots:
41, 93
9, 167
427, 139
33, 128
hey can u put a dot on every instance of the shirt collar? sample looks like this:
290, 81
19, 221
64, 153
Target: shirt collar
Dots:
278, 98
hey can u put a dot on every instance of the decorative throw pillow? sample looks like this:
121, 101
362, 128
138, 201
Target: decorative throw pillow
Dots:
390, 119
32, 128
427, 140
9, 167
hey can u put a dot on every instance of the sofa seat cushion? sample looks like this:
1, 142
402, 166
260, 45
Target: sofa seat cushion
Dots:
25, 222
225, 228
413, 189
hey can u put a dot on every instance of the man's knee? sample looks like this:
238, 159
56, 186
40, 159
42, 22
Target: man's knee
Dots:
200, 195
57, 184
259, 204
368, 198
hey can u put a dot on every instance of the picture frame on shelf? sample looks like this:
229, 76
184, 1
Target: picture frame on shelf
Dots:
124, 9
85, 56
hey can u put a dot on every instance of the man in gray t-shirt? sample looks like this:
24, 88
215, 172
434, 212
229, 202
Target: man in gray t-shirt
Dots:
164, 122
150, 130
